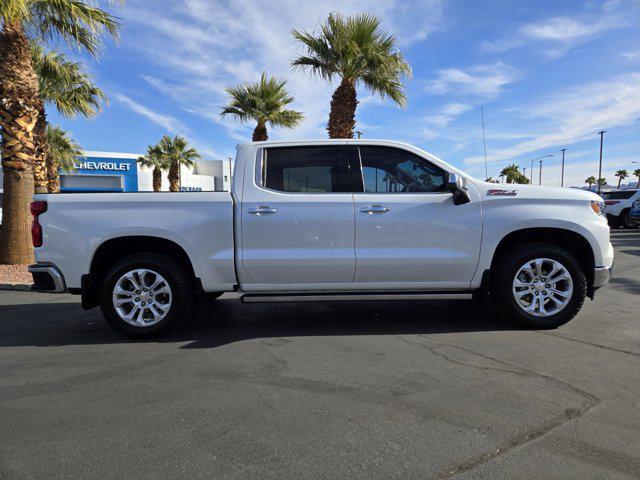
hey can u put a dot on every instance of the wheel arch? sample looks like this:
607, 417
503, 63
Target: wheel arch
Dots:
572, 241
117, 248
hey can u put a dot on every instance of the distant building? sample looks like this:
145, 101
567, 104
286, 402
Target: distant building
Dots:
120, 172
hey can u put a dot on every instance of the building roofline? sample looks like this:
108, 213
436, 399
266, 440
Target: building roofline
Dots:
93, 153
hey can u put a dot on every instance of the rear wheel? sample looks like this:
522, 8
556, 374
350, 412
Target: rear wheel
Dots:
146, 295
626, 221
539, 285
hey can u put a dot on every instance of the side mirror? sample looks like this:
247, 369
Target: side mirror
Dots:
460, 195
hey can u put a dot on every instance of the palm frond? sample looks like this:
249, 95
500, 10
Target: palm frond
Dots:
357, 49
177, 151
65, 84
76, 22
63, 149
263, 101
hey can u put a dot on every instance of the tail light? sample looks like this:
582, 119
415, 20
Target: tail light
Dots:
37, 208
611, 202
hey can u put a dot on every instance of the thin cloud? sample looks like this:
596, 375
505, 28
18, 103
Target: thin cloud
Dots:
486, 81
169, 123
560, 34
576, 114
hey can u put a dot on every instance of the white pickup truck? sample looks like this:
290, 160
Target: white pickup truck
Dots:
325, 220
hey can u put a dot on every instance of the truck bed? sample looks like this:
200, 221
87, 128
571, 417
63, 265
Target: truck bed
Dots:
201, 223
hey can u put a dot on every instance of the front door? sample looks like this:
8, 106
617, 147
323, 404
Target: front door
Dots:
297, 219
409, 233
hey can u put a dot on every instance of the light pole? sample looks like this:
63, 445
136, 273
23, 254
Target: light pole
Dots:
540, 173
536, 160
601, 133
562, 174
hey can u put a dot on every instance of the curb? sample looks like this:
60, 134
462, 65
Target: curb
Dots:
18, 286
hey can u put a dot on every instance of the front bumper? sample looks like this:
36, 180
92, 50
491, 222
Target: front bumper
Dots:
601, 276
47, 278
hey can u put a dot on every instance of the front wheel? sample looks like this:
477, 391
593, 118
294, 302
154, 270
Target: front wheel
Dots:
539, 285
146, 295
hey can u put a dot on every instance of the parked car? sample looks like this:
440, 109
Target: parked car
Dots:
618, 205
320, 221
634, 213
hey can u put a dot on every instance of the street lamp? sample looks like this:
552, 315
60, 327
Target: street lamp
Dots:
601, 133
540, 175
562, 174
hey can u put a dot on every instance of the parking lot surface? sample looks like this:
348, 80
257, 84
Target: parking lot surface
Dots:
327, 390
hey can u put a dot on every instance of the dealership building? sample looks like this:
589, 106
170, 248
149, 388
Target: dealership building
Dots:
120, 172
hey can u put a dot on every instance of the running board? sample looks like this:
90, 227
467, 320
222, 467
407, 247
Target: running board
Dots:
352, 297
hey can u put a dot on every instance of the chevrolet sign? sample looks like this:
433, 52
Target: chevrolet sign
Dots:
122, 167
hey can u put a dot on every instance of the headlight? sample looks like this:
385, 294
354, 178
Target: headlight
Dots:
597, 207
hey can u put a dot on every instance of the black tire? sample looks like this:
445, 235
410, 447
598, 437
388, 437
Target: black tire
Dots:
180, 283
625, 219
614, 222
505, 270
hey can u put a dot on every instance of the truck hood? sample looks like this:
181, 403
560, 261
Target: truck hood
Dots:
537, 191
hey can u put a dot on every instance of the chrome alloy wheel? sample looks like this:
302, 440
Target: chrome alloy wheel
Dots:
142, 297
542, 287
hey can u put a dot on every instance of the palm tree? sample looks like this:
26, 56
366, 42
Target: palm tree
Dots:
636, 172
177, 152
590, 181
601, 181
63, 150
621, 174
154, 159
492, 180
356, 50
512, 173
70, 89
76, 22
264, 102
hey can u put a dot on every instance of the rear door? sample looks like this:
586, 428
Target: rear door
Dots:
409, 233
298, 219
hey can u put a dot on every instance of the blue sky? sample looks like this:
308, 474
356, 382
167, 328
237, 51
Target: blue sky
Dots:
550, 75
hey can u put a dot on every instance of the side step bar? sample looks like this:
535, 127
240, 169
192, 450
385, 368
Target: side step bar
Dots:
353, 297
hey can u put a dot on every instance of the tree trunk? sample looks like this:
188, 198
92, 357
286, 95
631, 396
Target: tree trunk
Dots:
619, 182
342, 117
40, 173
157, 179
18, 116
260, 133
53, 175
174, 177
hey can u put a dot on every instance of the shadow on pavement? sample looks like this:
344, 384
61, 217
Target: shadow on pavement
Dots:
228, 320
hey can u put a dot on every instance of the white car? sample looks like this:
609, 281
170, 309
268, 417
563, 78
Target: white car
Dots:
322, 221
618, 205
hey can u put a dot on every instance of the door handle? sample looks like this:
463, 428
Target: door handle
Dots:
262, 209
371, 209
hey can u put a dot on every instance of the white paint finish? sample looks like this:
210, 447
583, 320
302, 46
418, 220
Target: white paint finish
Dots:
422, 238
75, 225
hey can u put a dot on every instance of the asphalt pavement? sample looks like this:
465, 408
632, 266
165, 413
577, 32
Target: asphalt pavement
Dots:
361, 390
